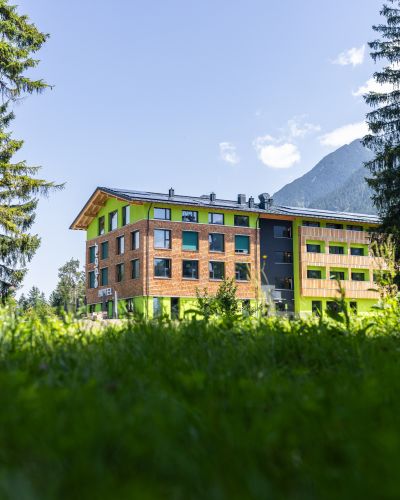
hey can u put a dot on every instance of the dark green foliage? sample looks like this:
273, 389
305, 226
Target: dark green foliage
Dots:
224, 304
282, 410
70, 291
19, 188
384, 122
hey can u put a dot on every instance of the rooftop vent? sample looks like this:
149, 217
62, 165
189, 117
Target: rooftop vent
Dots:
265, 201
213, 197
171, 192
251, 202
241, 199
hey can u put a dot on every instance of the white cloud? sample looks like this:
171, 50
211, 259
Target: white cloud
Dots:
228, 153
344, 135
372, 85
299, 128
276, 156
353, 56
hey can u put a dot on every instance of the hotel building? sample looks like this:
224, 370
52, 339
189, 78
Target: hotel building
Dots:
150, 252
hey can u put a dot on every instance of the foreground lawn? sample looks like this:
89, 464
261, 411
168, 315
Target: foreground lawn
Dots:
275, 410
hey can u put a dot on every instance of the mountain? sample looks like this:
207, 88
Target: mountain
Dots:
335, 183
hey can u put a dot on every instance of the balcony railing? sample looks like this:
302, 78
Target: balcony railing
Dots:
329, 288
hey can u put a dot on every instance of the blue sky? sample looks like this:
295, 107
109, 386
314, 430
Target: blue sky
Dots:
224, 95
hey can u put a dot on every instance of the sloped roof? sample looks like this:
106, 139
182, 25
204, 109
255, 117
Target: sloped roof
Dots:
101, 194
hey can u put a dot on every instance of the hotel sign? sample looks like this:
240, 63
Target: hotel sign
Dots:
96, 265
105, 292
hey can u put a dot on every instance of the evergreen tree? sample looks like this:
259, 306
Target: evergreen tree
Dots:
70, 291
19, 187
384, 122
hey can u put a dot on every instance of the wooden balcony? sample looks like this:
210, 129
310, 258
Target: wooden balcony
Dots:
329, 289
337, 235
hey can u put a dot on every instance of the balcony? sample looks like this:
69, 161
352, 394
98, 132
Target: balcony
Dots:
329, 289
337, 235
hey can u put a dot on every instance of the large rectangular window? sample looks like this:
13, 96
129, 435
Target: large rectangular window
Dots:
333, 225
310, 223
113, 220
282, 257
242, 244
336, 250
242, 271
190, 216
190, 269
162, 213
214, 218
282, 232
102, 226
104, 276
216, 242
358, 276
104, 250
314, 274
284, 283
92, 254
135, 240
162, 268
125, 215
241, 220
216, 270
135, 269
313, 248
120, 245
157, 308
190, 240
359, 252
337, 275
91, 279
162, 238
119, 272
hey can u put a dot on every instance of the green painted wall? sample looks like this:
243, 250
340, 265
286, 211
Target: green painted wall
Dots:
363, 305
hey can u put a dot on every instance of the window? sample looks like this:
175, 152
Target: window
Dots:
242, 244
92, 254
162, 213
353, 307
241, 220
135, 269
135, 240
314, 274
104, 276
91, 279
282, 232
358, 276
174, 307
216, 242
190, 216
102, 226
92, 308
284, 283
336, 250
113, 220
190, 269
337, 275
215, 218
120, 271
283, 257
316, 307
104, 250
332, 307
157, 309
130, 305
162, 238
125, 215
310, 223
246, 307
357, 251
242, 271
313, 248
354, 228
331, 225
216, 270
190, 240
120, 245
162, 268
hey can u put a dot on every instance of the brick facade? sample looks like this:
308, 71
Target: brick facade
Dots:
176, 286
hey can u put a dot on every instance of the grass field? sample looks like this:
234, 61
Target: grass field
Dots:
194, 411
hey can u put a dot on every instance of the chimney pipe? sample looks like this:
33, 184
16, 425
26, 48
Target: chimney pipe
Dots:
251, 202
241, 199
213, 197
171, 192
